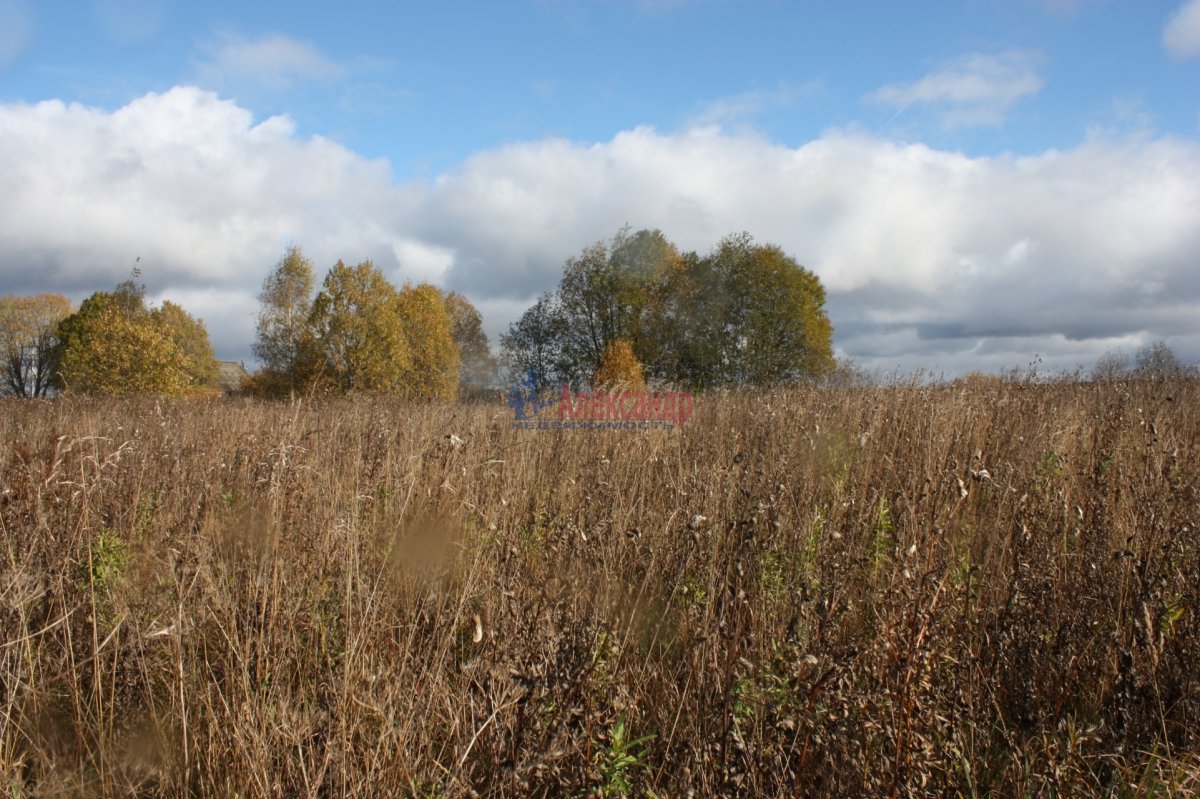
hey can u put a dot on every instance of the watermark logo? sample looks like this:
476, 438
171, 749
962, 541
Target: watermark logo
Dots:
614, 409
523, 398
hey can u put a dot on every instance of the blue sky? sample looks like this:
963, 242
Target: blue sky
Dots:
427, 84
929, 160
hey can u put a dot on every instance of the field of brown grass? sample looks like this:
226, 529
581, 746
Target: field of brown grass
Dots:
980, 590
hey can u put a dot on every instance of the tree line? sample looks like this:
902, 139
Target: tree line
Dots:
1154, 361
361, 333
113, 343
632, 309
358, 332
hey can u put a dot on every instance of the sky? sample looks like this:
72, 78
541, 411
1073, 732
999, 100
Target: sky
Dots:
979, 184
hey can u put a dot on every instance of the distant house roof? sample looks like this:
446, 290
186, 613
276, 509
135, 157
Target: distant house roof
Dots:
230, 374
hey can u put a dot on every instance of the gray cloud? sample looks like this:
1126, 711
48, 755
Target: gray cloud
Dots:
931, 258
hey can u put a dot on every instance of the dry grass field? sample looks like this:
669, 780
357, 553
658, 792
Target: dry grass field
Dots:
979, 590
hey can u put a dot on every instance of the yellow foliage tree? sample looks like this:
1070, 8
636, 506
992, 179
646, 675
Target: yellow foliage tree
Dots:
620, 368
363, 334
283, 341
190, 335
428, 332
113, 345
358, 334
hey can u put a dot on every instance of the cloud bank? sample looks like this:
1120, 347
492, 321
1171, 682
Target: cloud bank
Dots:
1181, 36
932, 258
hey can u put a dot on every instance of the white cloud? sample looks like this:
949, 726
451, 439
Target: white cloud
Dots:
931, 258
206, 197
1181, 36
952, 249
273, 60
976, 89
420, 262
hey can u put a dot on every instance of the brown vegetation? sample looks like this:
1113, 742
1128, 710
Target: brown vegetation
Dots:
981, 591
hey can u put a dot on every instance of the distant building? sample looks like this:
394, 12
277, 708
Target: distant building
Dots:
230, 375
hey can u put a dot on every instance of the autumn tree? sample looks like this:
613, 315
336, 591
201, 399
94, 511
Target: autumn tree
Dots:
755, 317
433, 361
612, 291
29, 341
477, 370
620, 368
114, 345
358, 332
191, 337
744, 314
283, 339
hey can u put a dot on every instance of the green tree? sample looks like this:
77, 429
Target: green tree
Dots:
773, 324
114, 345
477, 366
190, 335
611, 291
533, 344
746, 313
433, 361
29, 341
358, 331
695, 328
283, 340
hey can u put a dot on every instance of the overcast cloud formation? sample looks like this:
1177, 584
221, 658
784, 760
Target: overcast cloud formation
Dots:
932, 259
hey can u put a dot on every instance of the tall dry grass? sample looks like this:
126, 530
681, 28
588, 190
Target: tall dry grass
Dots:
984, 590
